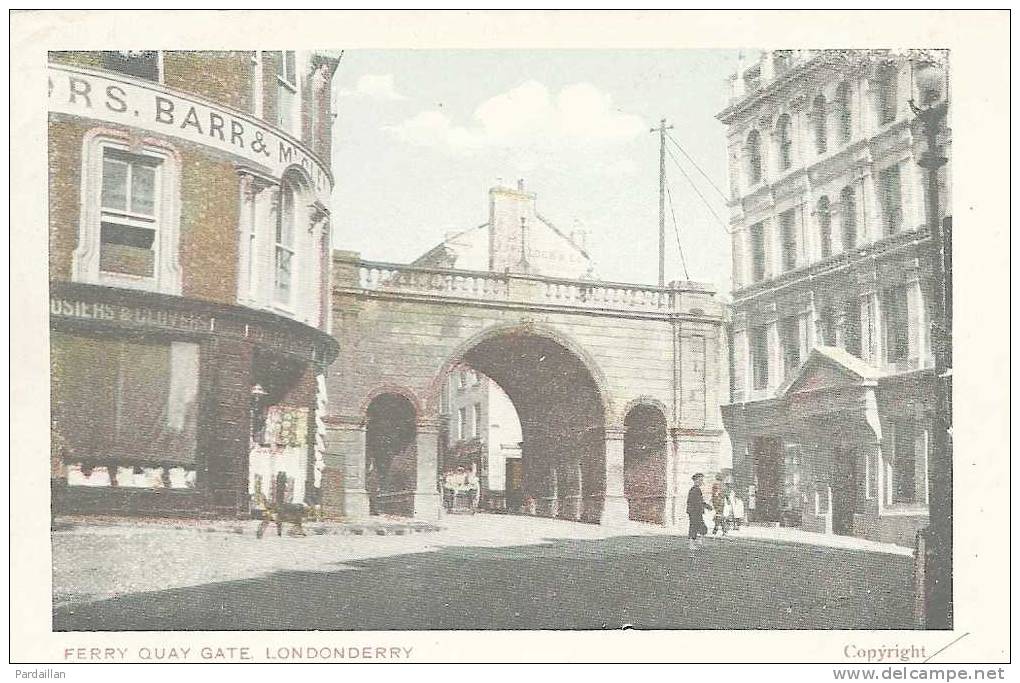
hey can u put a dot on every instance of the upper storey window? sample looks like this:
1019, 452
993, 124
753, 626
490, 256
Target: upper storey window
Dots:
824, 227
128, 235
845, 112
788, 236
754, 157
286, 90
129, 220
283, 281
758, 252
785, 142
145, 64
818, 115
886, 87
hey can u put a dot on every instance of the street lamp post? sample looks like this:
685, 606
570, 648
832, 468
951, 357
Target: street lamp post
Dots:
938, 599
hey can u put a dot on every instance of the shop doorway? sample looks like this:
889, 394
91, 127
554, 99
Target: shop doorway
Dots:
768, 476
844, 491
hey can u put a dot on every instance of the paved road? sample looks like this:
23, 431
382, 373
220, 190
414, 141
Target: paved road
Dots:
640, 581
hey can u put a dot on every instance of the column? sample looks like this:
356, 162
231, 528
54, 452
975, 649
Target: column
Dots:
673, 508
426, 497
343, 475
615, 508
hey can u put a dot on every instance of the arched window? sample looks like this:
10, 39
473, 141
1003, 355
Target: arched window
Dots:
886, 88
845, 112
785, 142
848, 217
818, 119
283, 260
824, 227
754, 157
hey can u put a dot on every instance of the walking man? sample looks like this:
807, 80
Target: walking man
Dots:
696, 507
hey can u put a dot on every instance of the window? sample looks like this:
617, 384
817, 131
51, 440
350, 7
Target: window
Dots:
852, 327
789, 339
758, 252
462, 423
788, 232
463, 377
130, 402
283, 280
897, 329
826, 327
476, 377
785, 142
478, 421
754, 157
286, 89
907, 473
144, 64
818, 120
760, 357
130, 215
848, 217
824, 227
886, 87
891, 199
845, 112
129, 224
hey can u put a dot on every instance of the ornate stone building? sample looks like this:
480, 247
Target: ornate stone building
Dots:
832, 369
189, 276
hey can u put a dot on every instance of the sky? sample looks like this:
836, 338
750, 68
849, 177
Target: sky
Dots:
421, 135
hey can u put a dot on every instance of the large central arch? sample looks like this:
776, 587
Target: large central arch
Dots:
559, 399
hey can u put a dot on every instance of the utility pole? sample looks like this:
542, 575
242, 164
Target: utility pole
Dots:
661, 130
939, 563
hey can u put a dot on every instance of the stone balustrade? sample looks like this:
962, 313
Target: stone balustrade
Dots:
352, 273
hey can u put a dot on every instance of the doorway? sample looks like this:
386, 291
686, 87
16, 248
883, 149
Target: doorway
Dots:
844, 491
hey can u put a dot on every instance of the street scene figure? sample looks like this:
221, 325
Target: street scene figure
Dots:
696, 509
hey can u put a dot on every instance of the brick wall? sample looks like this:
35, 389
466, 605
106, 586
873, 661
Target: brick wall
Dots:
221, 76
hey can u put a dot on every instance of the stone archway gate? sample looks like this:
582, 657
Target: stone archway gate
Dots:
401, 328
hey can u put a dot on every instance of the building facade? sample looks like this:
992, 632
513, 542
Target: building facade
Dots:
189, 277
832, 389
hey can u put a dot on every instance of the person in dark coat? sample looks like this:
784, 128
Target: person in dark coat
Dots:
696, 507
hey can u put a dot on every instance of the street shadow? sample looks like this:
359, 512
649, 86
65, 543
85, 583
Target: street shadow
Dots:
639, 582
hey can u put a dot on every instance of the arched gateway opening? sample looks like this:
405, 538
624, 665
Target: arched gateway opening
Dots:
391, 455
560, 467
644, 463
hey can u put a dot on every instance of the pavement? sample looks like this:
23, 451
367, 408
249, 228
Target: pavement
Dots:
474, 572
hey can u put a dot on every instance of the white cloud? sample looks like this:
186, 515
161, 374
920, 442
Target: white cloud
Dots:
376, 87
527, 116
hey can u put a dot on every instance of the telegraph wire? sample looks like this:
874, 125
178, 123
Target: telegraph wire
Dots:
676, 231
698, 192
702, 172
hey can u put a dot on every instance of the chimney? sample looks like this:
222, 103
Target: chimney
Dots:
520, 184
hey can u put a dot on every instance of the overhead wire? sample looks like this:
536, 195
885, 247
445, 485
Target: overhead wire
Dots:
695, 163
676, 231
694, 187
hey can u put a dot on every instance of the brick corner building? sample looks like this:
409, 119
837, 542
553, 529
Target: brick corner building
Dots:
189, 282
833, 382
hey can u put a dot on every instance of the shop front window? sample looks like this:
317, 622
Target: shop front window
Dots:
128, 408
